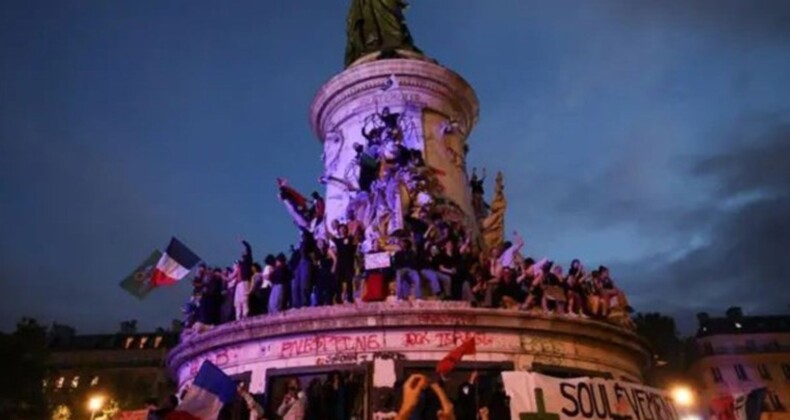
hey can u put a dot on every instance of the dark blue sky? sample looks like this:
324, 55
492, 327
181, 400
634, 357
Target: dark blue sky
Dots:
651, 136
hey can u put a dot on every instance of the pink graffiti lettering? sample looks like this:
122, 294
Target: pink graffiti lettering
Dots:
220, 358
445, 339
329, 344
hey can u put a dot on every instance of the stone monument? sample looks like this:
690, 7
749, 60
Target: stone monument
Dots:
384, 109
394, 126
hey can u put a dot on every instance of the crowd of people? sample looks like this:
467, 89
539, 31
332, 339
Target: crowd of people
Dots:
339, 396
425, 247
430, 259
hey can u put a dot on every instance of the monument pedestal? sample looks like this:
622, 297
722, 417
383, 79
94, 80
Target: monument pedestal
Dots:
433, 107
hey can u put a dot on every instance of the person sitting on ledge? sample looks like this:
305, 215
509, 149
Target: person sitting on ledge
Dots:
610, 291
508, 293
407, 278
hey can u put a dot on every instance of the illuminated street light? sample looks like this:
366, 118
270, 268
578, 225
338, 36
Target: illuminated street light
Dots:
683, 396
95, 404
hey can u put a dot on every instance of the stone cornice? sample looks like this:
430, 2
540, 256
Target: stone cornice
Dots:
405, 315
437, 87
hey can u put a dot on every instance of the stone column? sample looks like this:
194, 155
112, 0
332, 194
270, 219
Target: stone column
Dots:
438, 110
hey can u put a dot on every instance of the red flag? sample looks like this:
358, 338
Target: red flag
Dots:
448, 362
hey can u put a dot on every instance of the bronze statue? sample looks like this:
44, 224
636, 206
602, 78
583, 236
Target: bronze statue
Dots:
493, 226
377, 25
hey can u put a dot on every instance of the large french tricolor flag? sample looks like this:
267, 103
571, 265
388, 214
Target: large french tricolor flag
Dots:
175, 263
211, 390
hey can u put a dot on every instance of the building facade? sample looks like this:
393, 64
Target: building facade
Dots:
127, 368
737, 353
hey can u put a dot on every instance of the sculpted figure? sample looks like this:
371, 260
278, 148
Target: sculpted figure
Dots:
376, 25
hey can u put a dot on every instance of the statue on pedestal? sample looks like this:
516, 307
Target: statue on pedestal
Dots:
377, 25
493, 226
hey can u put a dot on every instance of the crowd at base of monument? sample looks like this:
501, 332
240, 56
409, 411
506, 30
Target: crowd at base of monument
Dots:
441, 267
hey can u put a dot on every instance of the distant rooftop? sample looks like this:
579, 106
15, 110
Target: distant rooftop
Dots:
118, 341
734, 322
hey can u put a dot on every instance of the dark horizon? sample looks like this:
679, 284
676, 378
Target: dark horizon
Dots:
652, 138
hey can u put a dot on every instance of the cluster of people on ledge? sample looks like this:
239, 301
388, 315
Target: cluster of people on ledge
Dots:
431, 259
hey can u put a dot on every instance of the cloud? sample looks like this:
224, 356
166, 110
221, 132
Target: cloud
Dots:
743, 259
732, 20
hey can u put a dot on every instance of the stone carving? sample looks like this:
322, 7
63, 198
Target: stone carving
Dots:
544, 350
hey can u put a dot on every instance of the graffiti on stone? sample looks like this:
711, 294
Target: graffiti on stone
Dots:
220, 357
444, 338
544, 350
329, 344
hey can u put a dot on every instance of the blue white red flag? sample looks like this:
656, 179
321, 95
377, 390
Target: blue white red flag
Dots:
176, 262
211, 390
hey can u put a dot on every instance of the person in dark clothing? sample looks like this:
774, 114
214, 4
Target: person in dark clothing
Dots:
407, 276
293, 263
333, 397
245, 263
326, 285
281, 277
227, 312
464, 278
317, 208
261, 288
345, 259
440, 270
211, 299
314, 392
467, 401
508, 293
368, 167
498, 404
303, 275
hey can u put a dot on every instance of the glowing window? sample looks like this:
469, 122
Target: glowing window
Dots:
128, 343
157, 341
75, 382
95, 381
59, 382
143, 341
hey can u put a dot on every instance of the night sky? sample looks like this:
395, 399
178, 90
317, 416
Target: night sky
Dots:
650, 136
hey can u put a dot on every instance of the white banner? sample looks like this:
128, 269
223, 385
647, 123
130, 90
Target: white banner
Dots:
539, 397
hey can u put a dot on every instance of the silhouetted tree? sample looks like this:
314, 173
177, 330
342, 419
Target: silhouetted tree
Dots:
23, 357
669, 349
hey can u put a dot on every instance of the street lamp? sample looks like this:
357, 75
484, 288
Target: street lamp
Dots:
95, 404
683, 396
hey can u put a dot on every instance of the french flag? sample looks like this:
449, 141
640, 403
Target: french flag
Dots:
175, 264
211, 390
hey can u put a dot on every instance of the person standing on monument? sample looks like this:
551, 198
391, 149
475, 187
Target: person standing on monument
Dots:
280, 277
303, 277
326, 284
345, 257
241, 292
